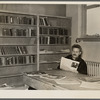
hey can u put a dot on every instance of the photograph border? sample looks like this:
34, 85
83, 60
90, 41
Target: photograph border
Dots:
46, 94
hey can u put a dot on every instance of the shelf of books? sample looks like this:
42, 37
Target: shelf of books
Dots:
31, 42
54, 40
18, 44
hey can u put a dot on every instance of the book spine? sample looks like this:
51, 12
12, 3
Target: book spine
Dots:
27, 60
33, 32
44, 22
1, 63
19, 49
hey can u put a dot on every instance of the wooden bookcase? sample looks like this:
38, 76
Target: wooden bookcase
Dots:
18, 46
31, 43
54, 40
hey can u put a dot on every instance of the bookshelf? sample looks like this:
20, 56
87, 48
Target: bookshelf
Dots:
31, 42
18, 46
54, 40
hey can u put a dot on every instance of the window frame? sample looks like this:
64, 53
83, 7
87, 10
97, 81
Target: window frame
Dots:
84, 36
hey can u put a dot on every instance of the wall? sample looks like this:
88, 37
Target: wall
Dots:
58, 10
91, 50
74, 11
93, 23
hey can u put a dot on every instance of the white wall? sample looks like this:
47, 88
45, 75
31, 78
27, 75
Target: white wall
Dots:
91, 50
93, 23
53, 9
74, 11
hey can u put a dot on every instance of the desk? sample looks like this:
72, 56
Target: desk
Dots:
45, 84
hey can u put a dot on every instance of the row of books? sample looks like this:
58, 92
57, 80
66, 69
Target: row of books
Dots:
50, 21
44, 21
32, 20
54, 31
16, 60
13, 50
4, 19
17, 19
53, 40
18, 32
24, 20
1, 61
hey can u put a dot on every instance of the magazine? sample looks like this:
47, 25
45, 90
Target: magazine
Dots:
69, 65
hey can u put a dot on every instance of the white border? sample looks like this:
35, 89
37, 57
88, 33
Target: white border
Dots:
49, 2
87, 94
54, 94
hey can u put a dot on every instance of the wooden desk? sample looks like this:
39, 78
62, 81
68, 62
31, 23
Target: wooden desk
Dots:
45, 84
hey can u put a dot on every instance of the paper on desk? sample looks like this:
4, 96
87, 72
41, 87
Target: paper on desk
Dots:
36, 74
5, 86
52, 77
69, 65
67, 81
91, 78
90, 85
33, 74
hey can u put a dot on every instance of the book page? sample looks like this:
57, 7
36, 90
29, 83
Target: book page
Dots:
69, 65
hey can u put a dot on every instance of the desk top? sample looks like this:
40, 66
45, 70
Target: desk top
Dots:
30, 80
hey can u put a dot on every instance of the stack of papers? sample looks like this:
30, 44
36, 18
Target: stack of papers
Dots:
48, 76
90, 85
5, 86
37, 74
91, 78
52, 77
68, 81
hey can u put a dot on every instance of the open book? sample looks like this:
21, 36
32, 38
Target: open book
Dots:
69, 65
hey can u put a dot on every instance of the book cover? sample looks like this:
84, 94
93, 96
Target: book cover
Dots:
65, 32
44, 30
55, 31
66, 40
1, 61
40, 30
61, 40
52, 40
47, 21
33, 32
41, 22
11, 19
51, 31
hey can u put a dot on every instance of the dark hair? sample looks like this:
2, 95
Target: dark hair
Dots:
79, 47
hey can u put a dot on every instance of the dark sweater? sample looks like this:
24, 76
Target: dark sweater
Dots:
82, 68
